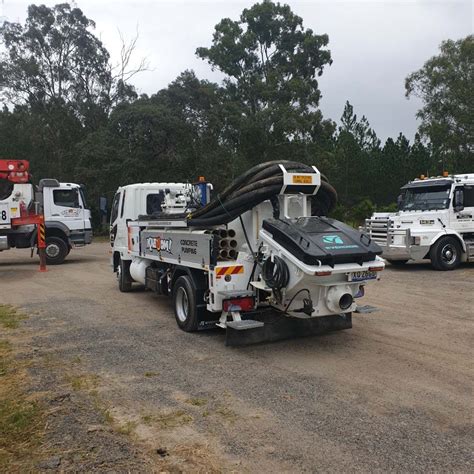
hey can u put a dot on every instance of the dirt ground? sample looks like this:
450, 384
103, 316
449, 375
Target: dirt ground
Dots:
133, 392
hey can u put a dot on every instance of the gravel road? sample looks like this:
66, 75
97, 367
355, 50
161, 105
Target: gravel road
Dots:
394, 393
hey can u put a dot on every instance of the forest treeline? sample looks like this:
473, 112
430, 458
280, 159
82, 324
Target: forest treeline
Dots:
76, 116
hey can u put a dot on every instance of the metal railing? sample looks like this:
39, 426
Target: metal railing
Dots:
382, 232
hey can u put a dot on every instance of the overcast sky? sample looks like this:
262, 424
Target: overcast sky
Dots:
374, 44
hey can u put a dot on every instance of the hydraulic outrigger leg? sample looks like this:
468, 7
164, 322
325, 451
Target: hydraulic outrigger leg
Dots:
38, 220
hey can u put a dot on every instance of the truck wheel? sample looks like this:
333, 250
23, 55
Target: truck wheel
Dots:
123, 276
56, 250
397, 263
184, 303
445, 254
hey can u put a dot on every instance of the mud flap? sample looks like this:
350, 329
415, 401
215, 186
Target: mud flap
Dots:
277, 327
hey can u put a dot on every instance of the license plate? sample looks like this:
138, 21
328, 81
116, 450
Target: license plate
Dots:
360, 276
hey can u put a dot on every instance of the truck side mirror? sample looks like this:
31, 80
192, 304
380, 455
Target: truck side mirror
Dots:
103, 205
399, 200
458, 200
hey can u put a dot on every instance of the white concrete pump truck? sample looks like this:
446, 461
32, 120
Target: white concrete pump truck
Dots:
435, 220
258, 260
62, 208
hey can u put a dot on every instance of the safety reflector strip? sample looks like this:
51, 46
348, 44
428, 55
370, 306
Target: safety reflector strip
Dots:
42, 231
234, 270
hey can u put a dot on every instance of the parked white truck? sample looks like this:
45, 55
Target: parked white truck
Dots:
254, 261
67, 220
435, 220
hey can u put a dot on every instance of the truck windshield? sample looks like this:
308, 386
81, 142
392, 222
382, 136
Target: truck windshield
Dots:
425, 198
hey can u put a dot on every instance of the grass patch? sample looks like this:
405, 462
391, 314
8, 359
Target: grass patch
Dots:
3, 367
151, 374
9, 317
83, 382
126, 428
227, 414
21, 420
99, 406
197, 402
147, 419
4, 351
5, 346
101, 238
172, 419
17, 418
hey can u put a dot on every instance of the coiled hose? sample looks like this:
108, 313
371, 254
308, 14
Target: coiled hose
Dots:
275, 273
258, 184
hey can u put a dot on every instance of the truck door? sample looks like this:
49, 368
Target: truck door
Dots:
65, 205
463, 216
114, 217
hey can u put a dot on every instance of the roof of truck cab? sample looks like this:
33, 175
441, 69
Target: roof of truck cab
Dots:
441, 180
152, 186
428, 182
464, 177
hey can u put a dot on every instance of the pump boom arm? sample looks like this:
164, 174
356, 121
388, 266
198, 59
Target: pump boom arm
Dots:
16, 171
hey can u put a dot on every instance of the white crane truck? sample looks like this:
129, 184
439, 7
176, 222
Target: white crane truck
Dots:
435, 220
253, 261
66, 220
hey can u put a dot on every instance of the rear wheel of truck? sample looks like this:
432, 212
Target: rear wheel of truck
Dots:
184, 304
445, 254
56, 250
123, 276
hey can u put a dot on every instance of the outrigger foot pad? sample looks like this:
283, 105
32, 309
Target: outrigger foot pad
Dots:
272, 326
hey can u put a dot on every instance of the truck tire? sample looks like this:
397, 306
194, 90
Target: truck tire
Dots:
123, 276
445, 254
184, 304
396, 263
56, 250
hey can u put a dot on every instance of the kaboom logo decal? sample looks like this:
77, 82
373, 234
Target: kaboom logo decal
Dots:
162, 245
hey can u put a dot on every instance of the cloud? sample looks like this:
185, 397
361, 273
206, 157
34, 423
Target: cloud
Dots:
374, 44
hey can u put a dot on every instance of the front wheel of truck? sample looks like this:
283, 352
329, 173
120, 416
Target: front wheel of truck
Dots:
445, 254
56, 250
123, 276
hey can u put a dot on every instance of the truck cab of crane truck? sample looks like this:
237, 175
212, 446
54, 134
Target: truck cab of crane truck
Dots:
67, 219
131, 201
435, 220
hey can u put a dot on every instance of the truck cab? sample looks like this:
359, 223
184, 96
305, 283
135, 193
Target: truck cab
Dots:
435, 220
66, 217
133, 200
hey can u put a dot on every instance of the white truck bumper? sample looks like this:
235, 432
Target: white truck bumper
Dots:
405, 252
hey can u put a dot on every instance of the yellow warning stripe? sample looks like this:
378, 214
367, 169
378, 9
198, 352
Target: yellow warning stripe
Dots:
234, 270
42, 231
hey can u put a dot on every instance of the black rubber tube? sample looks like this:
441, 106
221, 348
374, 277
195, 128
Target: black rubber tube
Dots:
275, 273
233, 186
245, 178
258, 184
247, 201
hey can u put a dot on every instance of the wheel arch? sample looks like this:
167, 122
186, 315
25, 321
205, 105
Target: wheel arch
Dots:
54, 229
198, 277
450, 233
